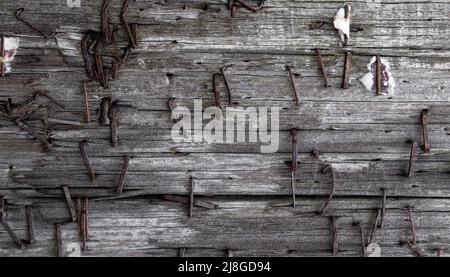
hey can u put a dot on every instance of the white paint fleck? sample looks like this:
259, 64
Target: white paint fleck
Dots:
342, 24
350, 167
11, 44
368, 79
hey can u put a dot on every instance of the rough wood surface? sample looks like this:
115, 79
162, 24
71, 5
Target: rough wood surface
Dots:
365, 137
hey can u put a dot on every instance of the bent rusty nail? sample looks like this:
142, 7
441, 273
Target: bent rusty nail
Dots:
72, 211
41, 138
86, 56
251, 8
335, 235
45, 94
191, 197
11, 233
322, 68
424, 121
78, 207
383, 208
59, 248
86, 161
18, 15
225, 79
123, 174
331, 193
86, 101
374, 226
30, 224
2, 56
113, 124
294, 88
125, 25
412, 159
217, 89
347, 65
378, 75
105, 105
415, 249
411, 221
99, 64
231, 7
134, 27
106, 28
184, 200
57, 121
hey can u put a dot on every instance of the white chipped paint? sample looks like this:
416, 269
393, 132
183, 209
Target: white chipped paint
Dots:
368, 79
342, 24
11, 45
350, 167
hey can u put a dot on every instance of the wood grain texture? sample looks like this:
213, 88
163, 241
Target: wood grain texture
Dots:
181, 44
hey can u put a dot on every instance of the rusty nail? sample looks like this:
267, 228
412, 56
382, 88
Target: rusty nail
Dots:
374, 226
191, 197
86, 56
123, 174
45, 94
251, 8
106, 28
322, 68
86, 161
113, 124
294, 164
216, 84
30, 224
424, 121
335, 235
72, 211
415, 249
294, 88
86, 101
378, 74
18, 15
41, 138
411, 221
346, 16
2, 56
225, 79
11, 233
59, 248
347, 65
99, 63
412, 159
331, 193
125, 25
78, 208
383, 208
105, 105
